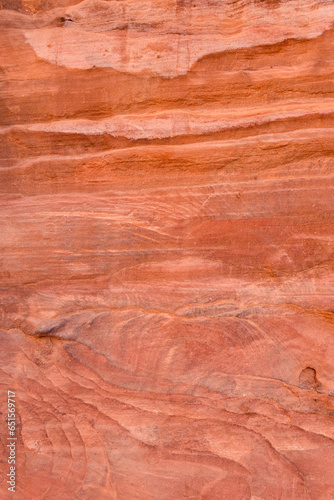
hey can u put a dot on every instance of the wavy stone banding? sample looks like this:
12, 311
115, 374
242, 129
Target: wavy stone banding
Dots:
167, 279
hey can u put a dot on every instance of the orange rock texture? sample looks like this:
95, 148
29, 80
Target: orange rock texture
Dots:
167, 248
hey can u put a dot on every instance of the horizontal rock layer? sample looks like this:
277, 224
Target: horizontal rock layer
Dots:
166, 174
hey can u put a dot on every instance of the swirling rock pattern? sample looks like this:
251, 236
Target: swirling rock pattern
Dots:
167, 248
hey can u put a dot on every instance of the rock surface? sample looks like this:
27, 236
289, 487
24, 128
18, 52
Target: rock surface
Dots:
167, 276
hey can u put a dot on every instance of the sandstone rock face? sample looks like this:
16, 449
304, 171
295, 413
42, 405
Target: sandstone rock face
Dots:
167, 248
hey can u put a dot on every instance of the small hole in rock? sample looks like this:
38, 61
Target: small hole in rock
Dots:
308, 379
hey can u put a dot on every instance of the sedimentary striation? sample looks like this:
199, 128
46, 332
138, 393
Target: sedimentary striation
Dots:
166, 177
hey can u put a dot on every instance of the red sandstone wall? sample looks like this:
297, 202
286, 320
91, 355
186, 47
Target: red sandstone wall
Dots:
166, 234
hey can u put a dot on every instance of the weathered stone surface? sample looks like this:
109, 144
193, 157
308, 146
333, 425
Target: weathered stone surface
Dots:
167, 248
